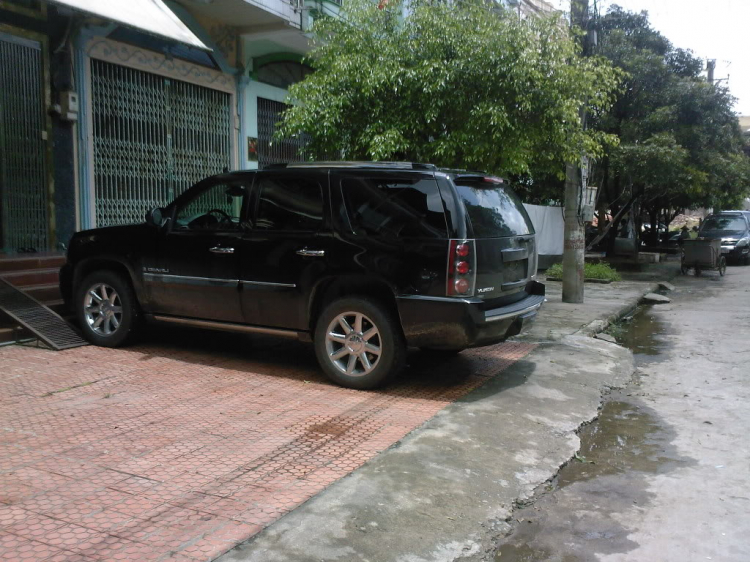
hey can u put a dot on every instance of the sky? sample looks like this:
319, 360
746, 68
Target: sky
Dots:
715, 29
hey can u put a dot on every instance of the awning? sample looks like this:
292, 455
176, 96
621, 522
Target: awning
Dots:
151, 16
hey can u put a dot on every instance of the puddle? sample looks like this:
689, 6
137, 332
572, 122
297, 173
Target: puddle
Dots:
642, 334
622, 438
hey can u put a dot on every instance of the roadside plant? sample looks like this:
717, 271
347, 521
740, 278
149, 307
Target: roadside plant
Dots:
602, 271
459, 84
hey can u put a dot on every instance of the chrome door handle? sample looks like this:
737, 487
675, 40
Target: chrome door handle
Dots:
221, 250
311, 253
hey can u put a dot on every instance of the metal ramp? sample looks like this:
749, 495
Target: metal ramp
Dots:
37, 318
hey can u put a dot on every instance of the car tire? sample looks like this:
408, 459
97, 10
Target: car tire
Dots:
358, 342
107, 309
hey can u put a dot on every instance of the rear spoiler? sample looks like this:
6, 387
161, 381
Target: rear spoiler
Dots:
477, 178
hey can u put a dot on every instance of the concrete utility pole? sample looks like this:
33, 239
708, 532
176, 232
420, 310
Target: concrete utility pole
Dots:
711, 68
574, 247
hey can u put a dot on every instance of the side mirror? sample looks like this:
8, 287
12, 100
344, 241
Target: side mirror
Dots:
154, 217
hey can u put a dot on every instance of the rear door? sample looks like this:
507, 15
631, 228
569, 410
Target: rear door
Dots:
506, 256
399, 220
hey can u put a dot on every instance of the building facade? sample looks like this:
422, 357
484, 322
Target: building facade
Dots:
106, 112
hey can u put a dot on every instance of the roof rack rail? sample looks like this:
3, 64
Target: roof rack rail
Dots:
353, 164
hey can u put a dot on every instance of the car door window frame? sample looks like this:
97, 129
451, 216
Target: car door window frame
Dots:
202, 187
320, 178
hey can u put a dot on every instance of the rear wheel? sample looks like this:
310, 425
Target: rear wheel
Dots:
722, 265
684, 269
358, 343
107, 309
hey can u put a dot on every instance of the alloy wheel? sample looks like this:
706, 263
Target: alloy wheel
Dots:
102, 309
353, 344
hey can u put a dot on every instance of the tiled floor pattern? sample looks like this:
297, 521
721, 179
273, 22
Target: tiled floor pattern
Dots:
182, 448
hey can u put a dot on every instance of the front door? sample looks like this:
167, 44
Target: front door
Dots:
198, 265
287, 249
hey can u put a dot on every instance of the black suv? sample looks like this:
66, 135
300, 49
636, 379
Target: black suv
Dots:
733, 227
362, 259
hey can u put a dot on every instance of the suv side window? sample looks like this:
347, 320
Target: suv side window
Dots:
396, 207
289, 203
218, 207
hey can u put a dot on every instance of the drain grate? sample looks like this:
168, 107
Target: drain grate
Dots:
37, 318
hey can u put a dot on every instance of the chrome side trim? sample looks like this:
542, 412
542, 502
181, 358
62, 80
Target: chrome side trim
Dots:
473, 300
189, 280
269, 284
226, 326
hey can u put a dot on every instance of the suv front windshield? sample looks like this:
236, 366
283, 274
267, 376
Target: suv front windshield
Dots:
495, 211
726, 222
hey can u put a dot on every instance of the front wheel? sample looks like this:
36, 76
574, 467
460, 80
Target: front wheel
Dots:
684, 269
722, 265
358, 343
106, 308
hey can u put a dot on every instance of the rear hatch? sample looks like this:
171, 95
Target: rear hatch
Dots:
504, 237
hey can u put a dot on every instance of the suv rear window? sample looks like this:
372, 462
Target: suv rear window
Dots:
495, 211
396, 207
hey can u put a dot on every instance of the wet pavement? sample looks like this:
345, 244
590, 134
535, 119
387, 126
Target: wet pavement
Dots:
627, 438
595, 508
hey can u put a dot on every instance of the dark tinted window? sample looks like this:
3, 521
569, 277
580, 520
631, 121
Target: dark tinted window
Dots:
218, 207
289, 203
494, 211
725, 222
397, 207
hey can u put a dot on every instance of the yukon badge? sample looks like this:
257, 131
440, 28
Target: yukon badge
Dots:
486, 290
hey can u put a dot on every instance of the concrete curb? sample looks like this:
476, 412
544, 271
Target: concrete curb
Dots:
593, 328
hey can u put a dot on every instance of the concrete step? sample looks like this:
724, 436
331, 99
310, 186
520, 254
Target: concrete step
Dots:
45, 293
23, 262
25, 278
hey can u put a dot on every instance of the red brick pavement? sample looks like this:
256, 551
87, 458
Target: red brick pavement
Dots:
180, 450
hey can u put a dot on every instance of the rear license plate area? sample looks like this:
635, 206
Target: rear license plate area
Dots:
515, 270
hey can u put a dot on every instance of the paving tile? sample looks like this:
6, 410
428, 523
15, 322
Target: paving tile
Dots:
199, 446
35, 527
18, 549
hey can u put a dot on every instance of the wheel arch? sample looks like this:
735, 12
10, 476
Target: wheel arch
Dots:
331, 288
111, 263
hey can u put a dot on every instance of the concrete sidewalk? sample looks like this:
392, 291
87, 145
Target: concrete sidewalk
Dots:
447, 490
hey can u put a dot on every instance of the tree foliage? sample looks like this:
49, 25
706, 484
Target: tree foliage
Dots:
680, 143
459, 84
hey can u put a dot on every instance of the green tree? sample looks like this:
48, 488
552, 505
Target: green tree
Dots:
680, 144
460, 84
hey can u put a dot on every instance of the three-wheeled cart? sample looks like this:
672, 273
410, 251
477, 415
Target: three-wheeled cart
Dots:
701, 254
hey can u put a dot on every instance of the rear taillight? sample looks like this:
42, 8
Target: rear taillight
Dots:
462, 268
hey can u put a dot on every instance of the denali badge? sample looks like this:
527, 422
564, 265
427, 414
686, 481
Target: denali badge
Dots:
486, 290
